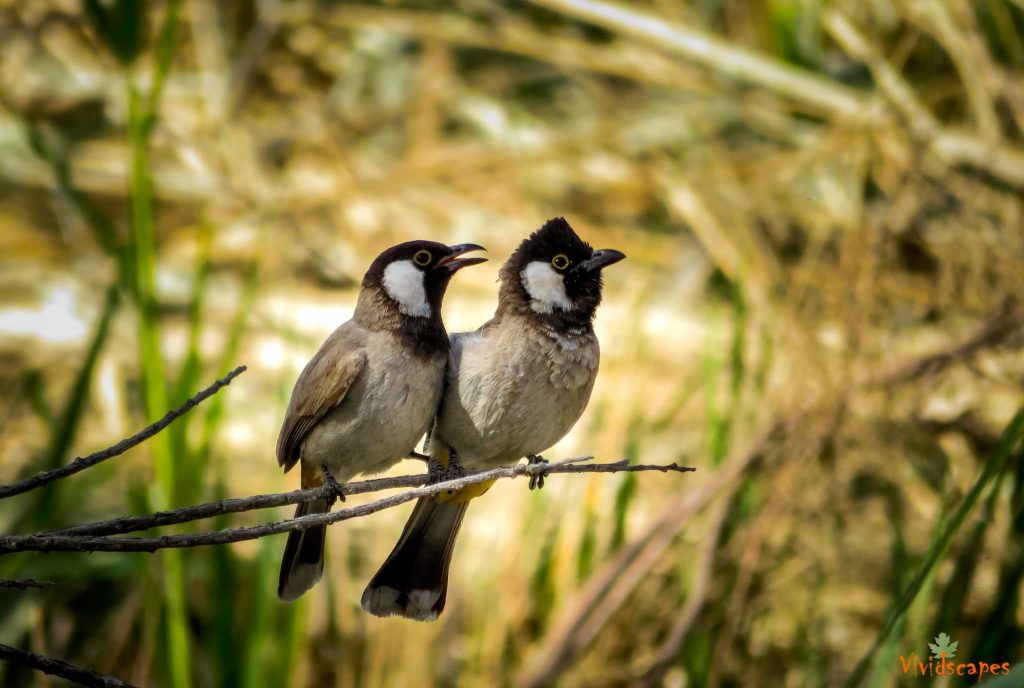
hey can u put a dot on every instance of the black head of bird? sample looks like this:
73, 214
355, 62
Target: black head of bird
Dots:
554, 277
413, 276
404, 287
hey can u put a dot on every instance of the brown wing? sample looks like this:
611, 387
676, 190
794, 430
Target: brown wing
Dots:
323, 384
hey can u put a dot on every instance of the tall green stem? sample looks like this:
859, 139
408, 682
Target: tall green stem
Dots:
142, 112
154, 387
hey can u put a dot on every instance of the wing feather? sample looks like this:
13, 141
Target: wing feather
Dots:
321, 386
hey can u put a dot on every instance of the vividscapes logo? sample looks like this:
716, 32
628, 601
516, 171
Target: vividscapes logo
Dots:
940, 662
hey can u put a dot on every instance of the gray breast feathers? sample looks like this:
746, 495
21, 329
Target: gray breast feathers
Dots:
514, 391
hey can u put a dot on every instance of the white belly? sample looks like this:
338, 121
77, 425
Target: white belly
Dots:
381, 418
512, 396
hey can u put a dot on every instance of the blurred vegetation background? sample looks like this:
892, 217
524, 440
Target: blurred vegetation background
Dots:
822, 206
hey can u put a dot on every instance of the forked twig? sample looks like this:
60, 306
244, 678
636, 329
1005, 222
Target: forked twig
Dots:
23, 583
73, 539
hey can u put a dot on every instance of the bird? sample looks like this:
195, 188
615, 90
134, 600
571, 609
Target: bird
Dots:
514, 387
369, 393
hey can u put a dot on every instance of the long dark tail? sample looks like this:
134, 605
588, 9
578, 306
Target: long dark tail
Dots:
303, 560
413, 582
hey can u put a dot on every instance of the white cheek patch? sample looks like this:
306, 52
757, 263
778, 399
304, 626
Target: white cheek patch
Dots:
403, 282
545, 287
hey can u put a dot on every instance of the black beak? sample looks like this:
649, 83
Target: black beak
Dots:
601, 258
452, 262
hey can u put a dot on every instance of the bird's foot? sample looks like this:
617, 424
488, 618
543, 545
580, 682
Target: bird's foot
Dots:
435, 471
440, 474
337, 492
537, 479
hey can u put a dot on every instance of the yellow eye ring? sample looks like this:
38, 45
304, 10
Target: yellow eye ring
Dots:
561, 261
422, 258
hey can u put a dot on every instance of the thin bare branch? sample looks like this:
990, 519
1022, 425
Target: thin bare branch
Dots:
654, 675
43, 542
81, 463
131, 524
57, 667
23, 583
1000, 328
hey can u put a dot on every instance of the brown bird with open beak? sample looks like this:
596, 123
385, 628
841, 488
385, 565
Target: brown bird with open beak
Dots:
370, 392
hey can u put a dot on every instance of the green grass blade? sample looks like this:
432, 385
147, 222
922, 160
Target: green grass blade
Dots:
191, 370
256, 659
957, 591
190, 477
141, 118
223, 633
625, 493
738, 345
154, 390
543, 587
1014, 679
587, 547
1010, 439
67, 425
717, 422
47, 509
163, 54
98, 223
239, 324
33, 388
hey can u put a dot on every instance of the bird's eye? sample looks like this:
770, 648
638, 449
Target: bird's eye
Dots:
561, 261
422, 258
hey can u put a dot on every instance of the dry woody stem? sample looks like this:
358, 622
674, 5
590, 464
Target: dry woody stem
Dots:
84, 539
23, 583
56, 667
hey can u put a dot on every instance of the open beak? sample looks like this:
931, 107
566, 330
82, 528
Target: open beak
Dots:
452, 262
601, 258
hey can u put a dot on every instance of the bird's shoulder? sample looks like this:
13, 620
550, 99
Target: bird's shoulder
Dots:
517, 349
